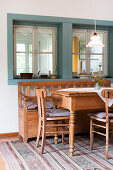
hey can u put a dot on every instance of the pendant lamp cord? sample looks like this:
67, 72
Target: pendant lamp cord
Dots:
95, 25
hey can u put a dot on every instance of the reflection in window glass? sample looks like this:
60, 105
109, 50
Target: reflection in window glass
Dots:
45, 63
88, 60
96, 49
44, 39
20, 62
78, 47
20, 47
81, 38
34, 50
95, 63
82, 64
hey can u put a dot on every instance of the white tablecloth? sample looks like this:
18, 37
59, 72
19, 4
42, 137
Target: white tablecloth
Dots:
110, 101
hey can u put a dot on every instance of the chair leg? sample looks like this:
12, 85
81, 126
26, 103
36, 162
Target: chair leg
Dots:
38, 133
69, 132
56, 134
63, 128
107, 139
43, 137
91, 133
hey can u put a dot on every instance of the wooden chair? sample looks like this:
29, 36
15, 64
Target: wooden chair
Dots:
49, 115
105, 117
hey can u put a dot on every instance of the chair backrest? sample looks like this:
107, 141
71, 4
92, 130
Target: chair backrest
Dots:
107, 93
28, 88
41, 95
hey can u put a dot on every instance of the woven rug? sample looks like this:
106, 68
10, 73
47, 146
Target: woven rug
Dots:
24, 156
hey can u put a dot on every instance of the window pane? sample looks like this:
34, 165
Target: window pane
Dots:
79, 42
23, 63
78, 47
82, 57
20, 63
44, 40
23, 39
96, 62
30, 62
20, 47
82, 64
45, 63
96, 50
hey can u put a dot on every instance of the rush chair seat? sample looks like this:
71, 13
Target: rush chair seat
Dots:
46, 115
105, 117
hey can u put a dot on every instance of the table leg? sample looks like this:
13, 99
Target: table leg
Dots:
72, 132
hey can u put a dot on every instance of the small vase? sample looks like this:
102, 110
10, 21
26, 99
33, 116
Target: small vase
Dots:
97, 86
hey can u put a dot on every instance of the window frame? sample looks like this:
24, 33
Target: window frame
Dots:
35, 51
87, 32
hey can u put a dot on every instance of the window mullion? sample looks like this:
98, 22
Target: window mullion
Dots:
53, 50
105, 59
34, 58
87, 52
27, 57
15, 67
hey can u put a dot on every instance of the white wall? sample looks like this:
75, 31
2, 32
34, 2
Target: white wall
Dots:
102, 10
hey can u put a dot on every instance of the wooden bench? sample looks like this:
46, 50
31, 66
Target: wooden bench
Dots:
28, 118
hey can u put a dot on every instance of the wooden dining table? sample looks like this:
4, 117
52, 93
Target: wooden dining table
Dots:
75, 101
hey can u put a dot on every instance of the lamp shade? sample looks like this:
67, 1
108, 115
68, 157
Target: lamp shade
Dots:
95, 41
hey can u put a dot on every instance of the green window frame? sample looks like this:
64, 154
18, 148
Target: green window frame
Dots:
64, 41
34, 50
87, 55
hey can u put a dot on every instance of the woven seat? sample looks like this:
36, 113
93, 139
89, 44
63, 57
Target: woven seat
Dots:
57, 113
101, 115
32, 105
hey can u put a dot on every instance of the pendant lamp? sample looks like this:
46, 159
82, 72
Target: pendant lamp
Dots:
95, 40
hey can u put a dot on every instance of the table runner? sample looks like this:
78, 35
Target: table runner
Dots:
110, 101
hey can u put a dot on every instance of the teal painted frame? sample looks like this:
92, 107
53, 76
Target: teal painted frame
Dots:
64, 41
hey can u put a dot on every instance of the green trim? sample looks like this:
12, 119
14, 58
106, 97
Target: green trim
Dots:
64, 40
110, 61
34, 24
59, 51
67, 50
108, 52
53, 20
10, 46
91, 27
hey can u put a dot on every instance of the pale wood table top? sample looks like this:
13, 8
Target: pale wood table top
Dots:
70, 93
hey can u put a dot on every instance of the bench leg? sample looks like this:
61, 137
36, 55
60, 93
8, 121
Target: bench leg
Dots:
20, 137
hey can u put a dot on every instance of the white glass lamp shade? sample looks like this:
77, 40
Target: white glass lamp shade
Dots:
95, 41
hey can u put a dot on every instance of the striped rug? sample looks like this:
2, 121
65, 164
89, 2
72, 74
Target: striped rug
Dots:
18, 155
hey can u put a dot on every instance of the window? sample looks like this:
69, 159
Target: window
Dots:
25, 52
34, 50
88, 60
